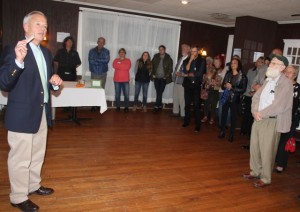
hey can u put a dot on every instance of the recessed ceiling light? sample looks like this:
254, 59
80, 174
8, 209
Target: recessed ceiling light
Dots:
219, 15
184, 2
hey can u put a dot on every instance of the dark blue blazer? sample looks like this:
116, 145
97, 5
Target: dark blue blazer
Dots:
25, 91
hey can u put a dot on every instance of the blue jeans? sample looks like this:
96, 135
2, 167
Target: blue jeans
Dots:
138, 86
220, 111
159, 85
125, 87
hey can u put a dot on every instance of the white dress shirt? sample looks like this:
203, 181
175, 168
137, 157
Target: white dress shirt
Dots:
268, 94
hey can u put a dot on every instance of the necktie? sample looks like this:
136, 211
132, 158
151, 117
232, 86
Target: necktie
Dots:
41, 67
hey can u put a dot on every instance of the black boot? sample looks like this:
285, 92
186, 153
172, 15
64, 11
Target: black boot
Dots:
221, 134
230, 139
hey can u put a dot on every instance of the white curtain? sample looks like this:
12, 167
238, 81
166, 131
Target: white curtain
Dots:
134, 33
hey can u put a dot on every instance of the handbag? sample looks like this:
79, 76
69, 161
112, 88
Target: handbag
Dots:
225, 96
204, 94
290, 145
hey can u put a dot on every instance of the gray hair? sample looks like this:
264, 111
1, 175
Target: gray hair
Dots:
209, 59
29, 15
294, 68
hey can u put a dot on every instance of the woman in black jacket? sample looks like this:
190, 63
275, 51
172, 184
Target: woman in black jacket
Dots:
142, 79
234, 85
67, 60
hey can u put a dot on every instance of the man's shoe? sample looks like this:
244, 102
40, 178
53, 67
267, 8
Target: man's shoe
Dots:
27, 206
260, 184
43, 191
185, 125
197, 129
246, 147
175, 115
248, 176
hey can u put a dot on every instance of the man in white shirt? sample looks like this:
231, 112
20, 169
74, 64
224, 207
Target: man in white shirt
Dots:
272, 111
178, 90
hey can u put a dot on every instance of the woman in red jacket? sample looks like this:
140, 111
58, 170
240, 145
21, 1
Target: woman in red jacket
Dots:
122, 67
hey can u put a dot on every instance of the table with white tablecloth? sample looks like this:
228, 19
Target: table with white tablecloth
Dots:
71, 96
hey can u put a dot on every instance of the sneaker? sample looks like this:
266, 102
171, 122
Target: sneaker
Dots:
204, 119
134, 108
144, 109
279, 169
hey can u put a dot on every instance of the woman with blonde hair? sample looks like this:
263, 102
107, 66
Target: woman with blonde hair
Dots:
212, 82
291, 73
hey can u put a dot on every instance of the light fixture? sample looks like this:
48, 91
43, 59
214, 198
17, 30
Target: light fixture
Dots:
203, 52
184, 2
219, 16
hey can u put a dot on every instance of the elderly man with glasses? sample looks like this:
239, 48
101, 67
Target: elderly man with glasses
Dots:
272, 111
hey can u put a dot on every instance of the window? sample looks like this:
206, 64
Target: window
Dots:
292, 51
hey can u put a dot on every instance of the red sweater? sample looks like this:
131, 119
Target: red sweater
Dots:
122, 68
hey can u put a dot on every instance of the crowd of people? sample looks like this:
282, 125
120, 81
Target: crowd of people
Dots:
263, 95
268, 94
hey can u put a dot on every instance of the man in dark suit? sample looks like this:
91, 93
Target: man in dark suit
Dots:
194, 68
26, 73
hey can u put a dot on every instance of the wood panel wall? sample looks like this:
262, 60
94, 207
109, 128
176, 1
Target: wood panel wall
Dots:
212, 38
254, 35
63, 17
287, 31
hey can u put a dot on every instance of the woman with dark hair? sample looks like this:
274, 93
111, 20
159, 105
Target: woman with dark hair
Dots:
234, 85
67, 60
122, 67
142, 79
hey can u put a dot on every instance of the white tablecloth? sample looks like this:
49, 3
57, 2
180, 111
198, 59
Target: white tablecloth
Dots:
71, 96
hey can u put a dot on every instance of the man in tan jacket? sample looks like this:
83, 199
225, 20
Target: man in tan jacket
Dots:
272, 111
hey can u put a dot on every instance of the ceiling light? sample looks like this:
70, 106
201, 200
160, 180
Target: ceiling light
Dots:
184, 2
219, 15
